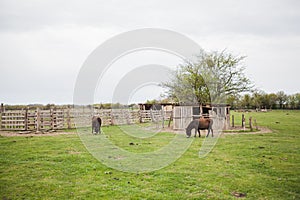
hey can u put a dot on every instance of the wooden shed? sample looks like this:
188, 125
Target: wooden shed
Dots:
184, 114
157, 106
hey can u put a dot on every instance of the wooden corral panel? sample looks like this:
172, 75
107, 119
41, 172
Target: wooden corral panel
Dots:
183, 115
13, 120
26, 120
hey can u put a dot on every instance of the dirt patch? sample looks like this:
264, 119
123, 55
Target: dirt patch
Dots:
32, 134
238, 130
233, 131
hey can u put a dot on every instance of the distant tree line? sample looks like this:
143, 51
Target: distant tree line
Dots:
52, 106
35, 106
115, 106
263, 100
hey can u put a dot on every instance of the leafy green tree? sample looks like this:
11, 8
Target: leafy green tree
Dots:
233, 101
281, 98
272, 100
268, 100
258, 100
297, 100
206, 79
49, 106
292, 101
246, 101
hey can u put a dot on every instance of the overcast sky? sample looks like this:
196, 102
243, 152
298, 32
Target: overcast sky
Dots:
44, 43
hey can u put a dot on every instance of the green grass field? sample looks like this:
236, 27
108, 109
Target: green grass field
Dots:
257, 166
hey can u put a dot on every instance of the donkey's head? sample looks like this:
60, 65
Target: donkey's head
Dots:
188, 131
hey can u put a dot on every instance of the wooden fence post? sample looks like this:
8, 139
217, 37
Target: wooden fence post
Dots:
163, 116
38, 119
52, 118
233, 121
112, 118
243, 121
26, 119
140, 116
41, 121
151, 115
250, 123
68, 118
55, 119
227, 118
171, 118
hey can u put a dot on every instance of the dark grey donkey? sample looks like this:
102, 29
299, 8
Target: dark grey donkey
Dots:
200, 124
96, 125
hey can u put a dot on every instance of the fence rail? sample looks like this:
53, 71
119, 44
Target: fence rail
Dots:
54, 119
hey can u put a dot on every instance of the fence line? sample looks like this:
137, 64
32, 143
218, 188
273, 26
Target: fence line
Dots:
54, 119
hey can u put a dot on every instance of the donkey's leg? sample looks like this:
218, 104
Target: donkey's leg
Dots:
208, 130
199, 132
212, 133
97, 128
210, 127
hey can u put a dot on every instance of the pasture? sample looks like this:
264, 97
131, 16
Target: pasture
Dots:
249, 166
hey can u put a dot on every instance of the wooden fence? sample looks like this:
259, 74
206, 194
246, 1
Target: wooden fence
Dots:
54, 119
